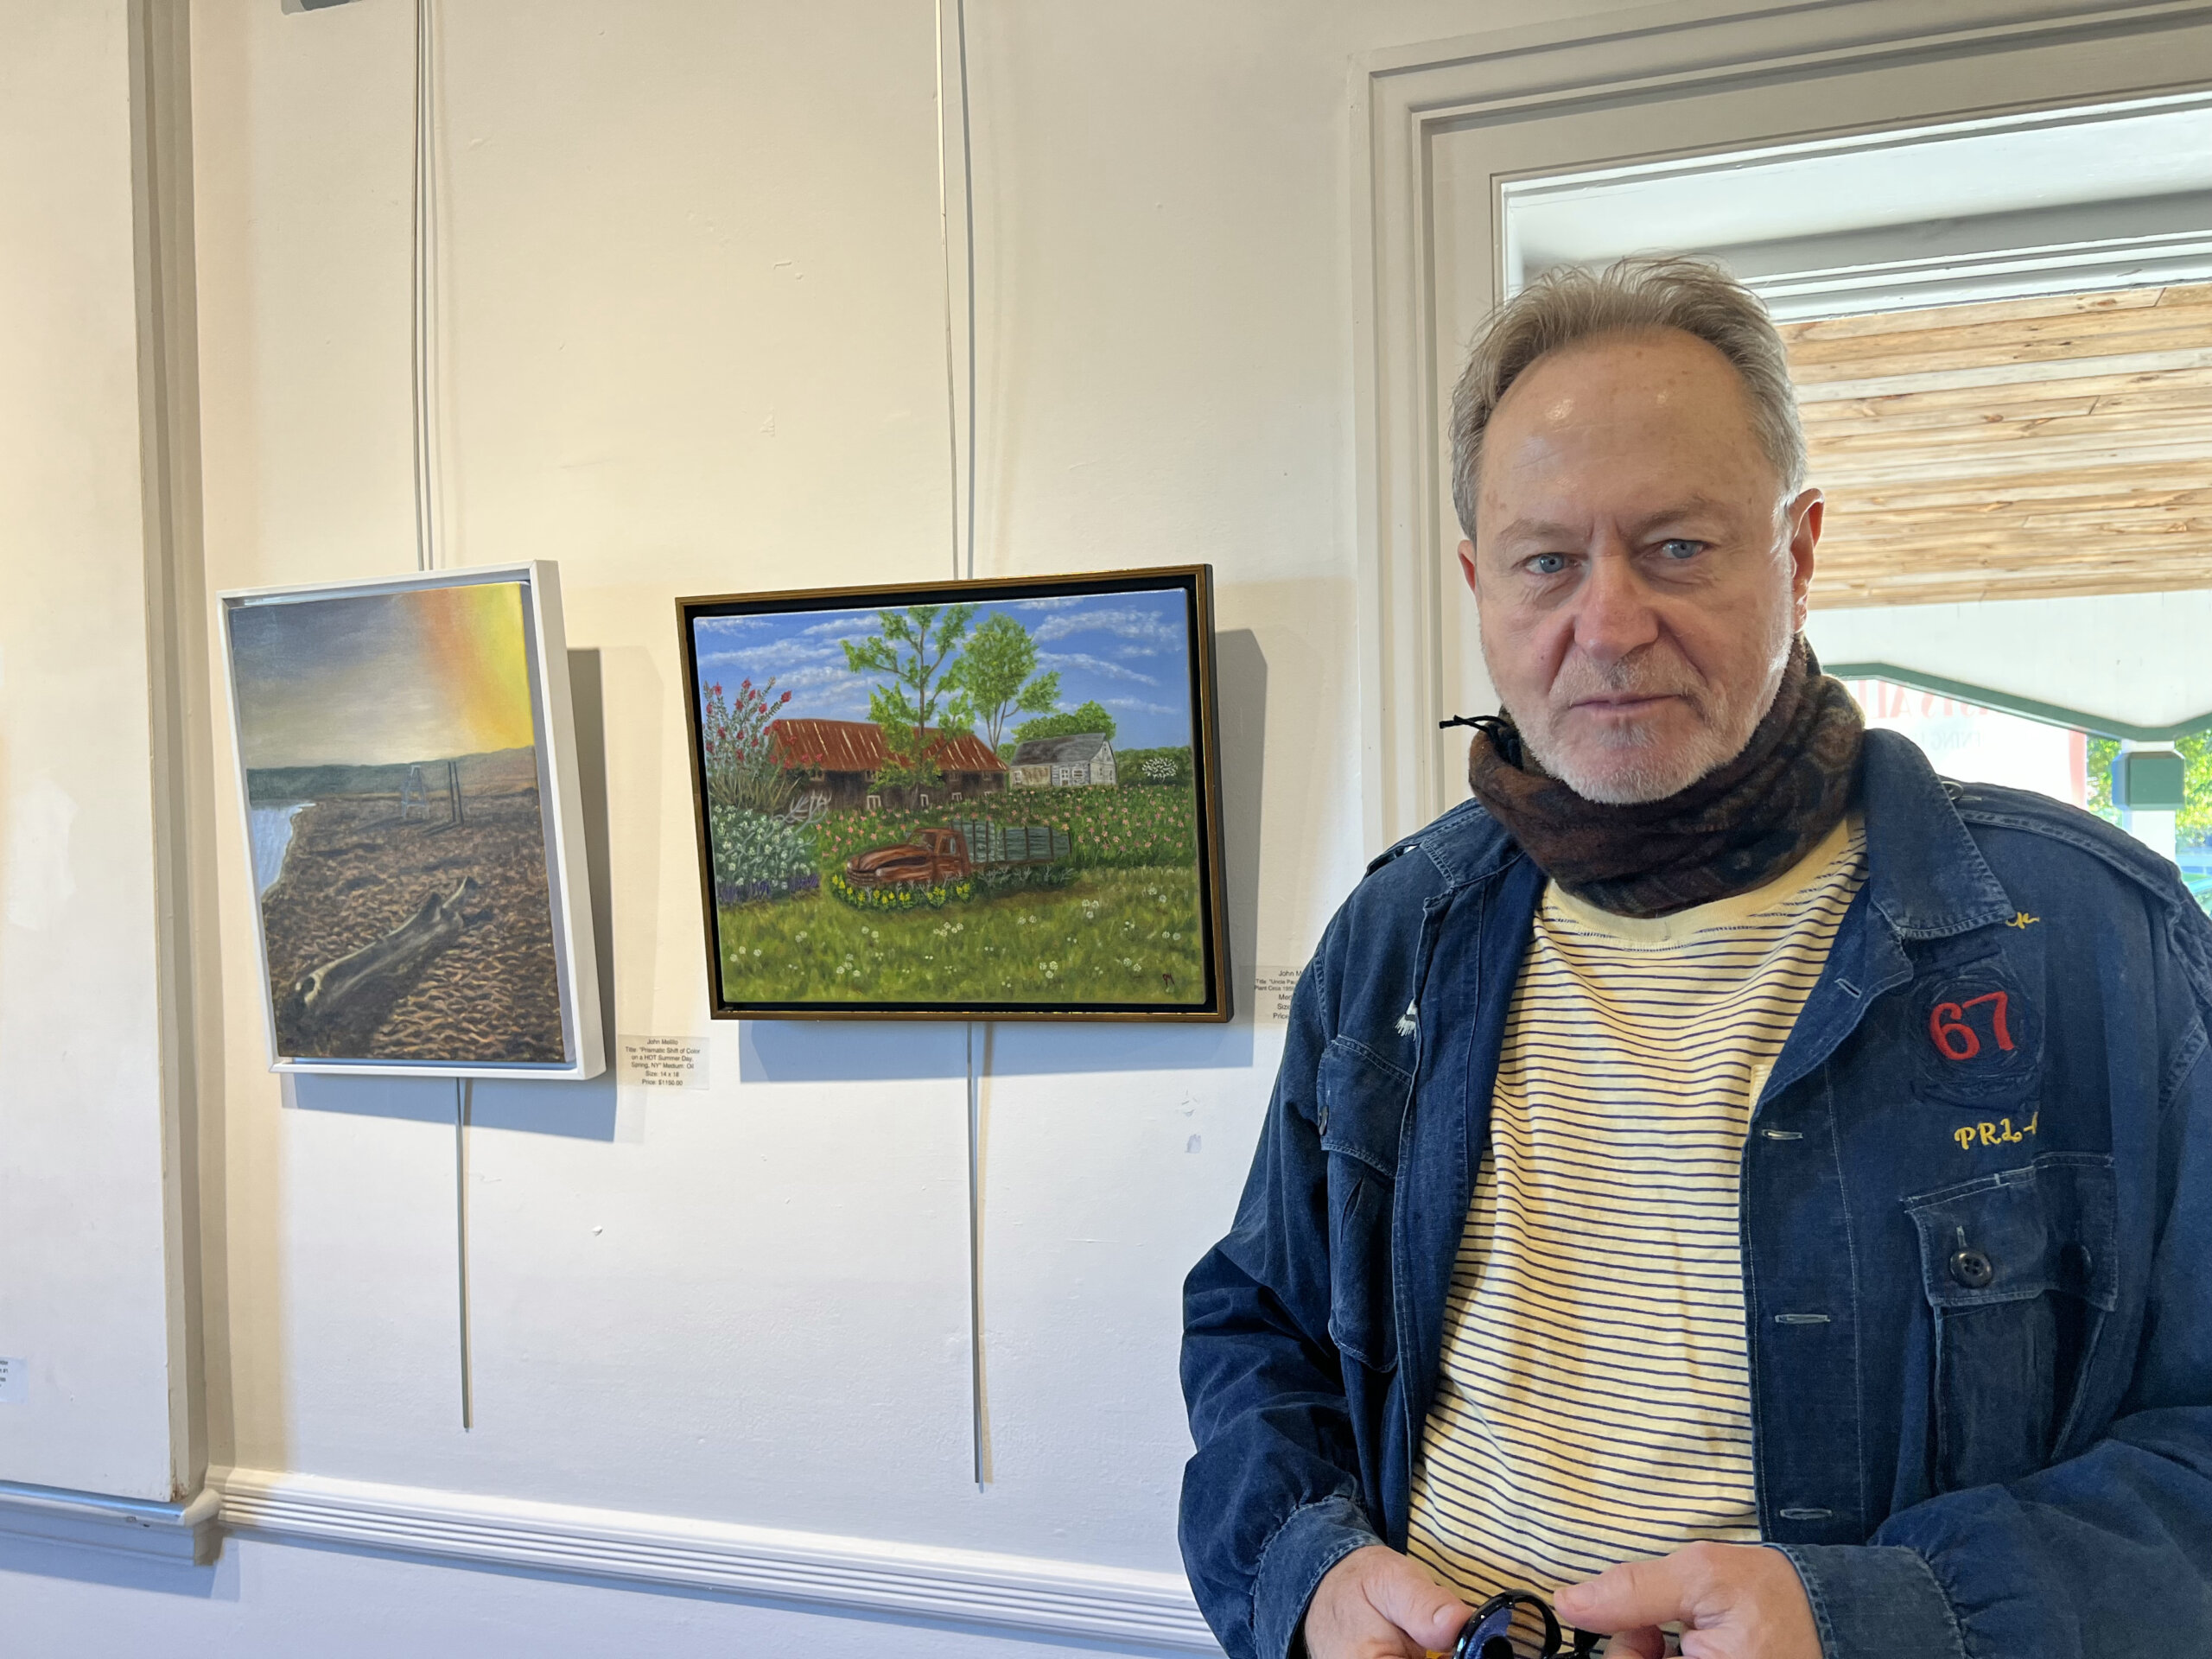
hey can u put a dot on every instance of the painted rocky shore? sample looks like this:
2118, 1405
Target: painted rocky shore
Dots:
412, 929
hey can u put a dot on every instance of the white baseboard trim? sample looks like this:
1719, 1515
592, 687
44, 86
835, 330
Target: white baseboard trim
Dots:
1028, 1594
182, 1533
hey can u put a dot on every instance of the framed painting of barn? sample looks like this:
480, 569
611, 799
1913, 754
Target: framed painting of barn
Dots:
969, 800
407, 771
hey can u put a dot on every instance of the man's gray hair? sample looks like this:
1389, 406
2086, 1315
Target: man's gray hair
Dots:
1568, 304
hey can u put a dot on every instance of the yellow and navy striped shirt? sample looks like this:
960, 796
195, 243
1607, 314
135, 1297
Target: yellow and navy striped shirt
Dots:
1594, 1401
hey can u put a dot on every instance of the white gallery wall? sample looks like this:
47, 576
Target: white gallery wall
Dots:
88, 1113
690, 339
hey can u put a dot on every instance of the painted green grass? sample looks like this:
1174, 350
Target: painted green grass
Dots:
1112, 936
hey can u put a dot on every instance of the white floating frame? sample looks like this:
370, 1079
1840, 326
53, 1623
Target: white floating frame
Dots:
560, 812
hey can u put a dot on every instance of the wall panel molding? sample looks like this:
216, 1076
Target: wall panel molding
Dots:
1031, 1595
176, 658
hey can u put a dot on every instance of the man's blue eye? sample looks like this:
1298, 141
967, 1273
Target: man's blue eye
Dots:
1675, 547
1548, 564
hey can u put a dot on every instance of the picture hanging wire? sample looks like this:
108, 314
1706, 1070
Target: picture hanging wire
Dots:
464, 1090
422, 327
963, 502
964, 563
422, 309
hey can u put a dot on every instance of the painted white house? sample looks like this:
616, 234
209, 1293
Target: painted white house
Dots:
1087, 758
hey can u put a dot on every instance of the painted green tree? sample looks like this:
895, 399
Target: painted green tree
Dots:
998, 672
913, 651
1069, 722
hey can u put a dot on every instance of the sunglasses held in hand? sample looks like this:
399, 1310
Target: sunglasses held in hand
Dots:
1489, 1634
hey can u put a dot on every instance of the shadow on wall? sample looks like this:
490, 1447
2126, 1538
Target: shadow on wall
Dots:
777, 1051
121, 1569
798, 1051
584, 1111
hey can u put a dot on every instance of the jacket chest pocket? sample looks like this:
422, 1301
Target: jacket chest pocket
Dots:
2020, 1271
1362, 1113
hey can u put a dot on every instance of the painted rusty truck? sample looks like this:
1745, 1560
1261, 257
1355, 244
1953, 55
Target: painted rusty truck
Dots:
934, 865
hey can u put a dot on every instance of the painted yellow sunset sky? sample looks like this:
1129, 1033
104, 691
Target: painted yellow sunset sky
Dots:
373, 679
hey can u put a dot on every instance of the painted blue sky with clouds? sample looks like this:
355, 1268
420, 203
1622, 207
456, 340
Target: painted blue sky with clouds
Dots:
1128, 651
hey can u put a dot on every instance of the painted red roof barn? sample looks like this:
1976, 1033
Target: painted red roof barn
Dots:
858, 745
844, 755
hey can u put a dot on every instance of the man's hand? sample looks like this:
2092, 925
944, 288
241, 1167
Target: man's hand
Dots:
1376, 1603
1734, 1601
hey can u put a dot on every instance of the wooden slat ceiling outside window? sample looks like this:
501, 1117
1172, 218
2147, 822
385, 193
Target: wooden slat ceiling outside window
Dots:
2020, 450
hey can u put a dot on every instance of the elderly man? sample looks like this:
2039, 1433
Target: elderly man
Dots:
1723, 1175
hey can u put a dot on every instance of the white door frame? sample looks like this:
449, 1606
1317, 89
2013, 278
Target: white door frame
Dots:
1952, 60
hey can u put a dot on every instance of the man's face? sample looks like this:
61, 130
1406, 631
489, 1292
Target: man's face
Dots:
1636, 571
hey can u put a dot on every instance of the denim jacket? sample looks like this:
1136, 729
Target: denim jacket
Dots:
1976, 1213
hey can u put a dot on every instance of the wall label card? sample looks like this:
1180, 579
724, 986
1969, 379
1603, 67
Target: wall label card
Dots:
14, 1380
1271, 993
665, 1062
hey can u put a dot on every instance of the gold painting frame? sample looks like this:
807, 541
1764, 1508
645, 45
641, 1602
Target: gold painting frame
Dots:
950, 873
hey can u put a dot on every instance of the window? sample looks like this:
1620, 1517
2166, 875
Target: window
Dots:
1986, 743
1980, 743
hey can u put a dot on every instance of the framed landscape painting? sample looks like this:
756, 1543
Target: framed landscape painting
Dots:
973, 800
406, 763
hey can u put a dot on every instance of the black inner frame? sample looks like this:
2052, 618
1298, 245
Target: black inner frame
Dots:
1194, 583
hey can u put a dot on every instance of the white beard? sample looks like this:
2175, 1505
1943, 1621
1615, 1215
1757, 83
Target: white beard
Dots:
1628, 768
1634, 770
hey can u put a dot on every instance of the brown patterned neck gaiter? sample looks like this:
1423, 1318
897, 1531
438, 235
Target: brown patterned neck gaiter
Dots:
1735, 828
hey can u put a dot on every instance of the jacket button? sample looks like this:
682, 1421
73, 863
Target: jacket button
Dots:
1972, 1269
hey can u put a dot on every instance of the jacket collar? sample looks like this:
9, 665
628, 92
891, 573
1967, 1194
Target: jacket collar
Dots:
1925, 875
1466, 845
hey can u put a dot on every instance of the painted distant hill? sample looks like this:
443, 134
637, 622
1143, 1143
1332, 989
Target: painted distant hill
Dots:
503, 772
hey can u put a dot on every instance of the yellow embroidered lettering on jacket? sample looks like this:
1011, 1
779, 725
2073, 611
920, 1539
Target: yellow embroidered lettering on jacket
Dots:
2000, 1134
